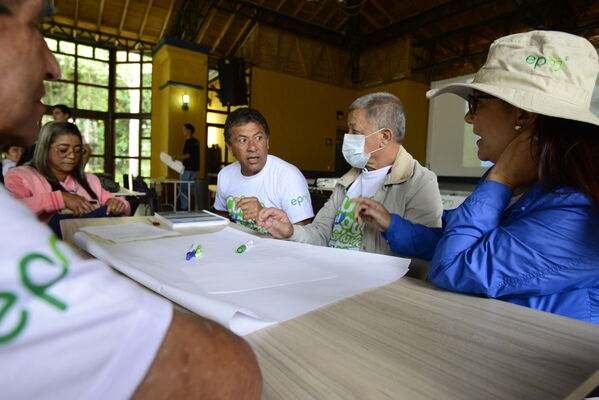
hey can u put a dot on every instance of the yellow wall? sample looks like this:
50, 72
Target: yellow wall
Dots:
412, 95
301, 116
183, 66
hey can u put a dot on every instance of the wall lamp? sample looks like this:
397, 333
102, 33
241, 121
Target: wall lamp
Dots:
185, 102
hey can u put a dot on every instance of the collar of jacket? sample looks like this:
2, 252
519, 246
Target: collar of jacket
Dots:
401, 170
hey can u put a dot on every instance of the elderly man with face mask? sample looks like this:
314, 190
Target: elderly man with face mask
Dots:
72, 328
382, 170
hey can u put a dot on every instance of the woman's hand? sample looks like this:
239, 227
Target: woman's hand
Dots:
517, 166
373, 212
115, 207
77, 204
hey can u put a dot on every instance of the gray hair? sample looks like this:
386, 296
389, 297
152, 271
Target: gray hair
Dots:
383, 110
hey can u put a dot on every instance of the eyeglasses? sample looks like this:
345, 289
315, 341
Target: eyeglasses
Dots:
66, 151
473, 101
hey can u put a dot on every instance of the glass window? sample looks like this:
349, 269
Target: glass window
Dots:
146, 128
92, 98
147, 75
146, 101
127, 100
66, 47
52, 44
102, 54
128, 75
90, 71
127, 137
121, 56
145, 168
95, 165
85, 51
59, 93
93, 131
146, 148
67, 67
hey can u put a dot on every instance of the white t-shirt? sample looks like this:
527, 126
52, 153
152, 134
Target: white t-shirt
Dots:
279, 184
7, 164
69, 328
346, 233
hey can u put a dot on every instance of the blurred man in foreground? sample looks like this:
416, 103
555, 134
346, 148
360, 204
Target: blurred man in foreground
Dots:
72, 328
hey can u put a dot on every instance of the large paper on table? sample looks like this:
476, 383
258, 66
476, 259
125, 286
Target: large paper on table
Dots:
273, 281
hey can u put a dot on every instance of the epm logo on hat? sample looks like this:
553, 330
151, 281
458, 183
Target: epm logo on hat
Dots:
540, 61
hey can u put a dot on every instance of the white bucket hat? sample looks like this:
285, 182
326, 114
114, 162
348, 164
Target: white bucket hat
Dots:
546, 72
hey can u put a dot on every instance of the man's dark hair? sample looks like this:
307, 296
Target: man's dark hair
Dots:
242, 116
64, 108
190, 128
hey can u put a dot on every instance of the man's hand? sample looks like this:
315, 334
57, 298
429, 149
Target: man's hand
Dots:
77, 204
250, 207
276, 222
516, 166
115, 207
373, 212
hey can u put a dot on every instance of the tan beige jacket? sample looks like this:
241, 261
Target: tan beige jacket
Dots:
409, 190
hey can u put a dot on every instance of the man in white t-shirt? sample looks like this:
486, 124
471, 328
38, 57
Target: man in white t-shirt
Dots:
382, 170
73, 328
258, 179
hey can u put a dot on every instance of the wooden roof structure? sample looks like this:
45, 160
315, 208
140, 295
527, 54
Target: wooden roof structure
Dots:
352, 43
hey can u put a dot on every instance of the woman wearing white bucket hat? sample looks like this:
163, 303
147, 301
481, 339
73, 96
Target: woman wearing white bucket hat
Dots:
529, 233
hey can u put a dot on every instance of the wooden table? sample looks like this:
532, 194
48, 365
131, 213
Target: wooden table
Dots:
409, 340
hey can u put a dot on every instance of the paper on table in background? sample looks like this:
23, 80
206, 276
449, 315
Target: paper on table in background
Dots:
120, 233
273, 281
174, 164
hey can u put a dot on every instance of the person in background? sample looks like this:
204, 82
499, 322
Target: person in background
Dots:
55, 179
13, 155
382, 170
72, 327
62, 112
258, 179
191, 163
529, 233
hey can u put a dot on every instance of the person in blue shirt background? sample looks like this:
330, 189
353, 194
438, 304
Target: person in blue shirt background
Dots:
529, 233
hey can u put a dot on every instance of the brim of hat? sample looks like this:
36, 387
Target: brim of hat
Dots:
545, 105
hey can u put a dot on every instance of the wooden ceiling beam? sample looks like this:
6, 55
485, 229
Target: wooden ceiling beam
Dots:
167, 18
381, 11
299, 7
100, 14
435, 14
278, 8
284, 22
243, 32
205, 26
76, 19
145, 20
125, 11
243, 39
223, 32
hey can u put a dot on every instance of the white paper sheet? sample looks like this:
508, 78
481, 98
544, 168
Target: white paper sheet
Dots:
120, 233
273, 281
173, 164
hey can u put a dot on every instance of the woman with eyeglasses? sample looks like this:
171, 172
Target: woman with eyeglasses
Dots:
55, 181
529, 233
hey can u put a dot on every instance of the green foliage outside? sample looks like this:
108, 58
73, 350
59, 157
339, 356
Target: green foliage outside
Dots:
84, 85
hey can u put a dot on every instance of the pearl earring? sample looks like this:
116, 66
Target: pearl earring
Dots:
518, 127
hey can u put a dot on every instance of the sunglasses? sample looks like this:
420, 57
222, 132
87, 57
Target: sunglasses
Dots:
473, 101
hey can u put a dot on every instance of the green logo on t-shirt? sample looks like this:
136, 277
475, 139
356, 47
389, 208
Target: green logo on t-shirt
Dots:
237, 215
346, 234
38, 289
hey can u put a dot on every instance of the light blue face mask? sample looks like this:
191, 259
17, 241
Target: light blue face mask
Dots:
353, 149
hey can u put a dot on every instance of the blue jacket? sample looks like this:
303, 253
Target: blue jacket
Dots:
542, 252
